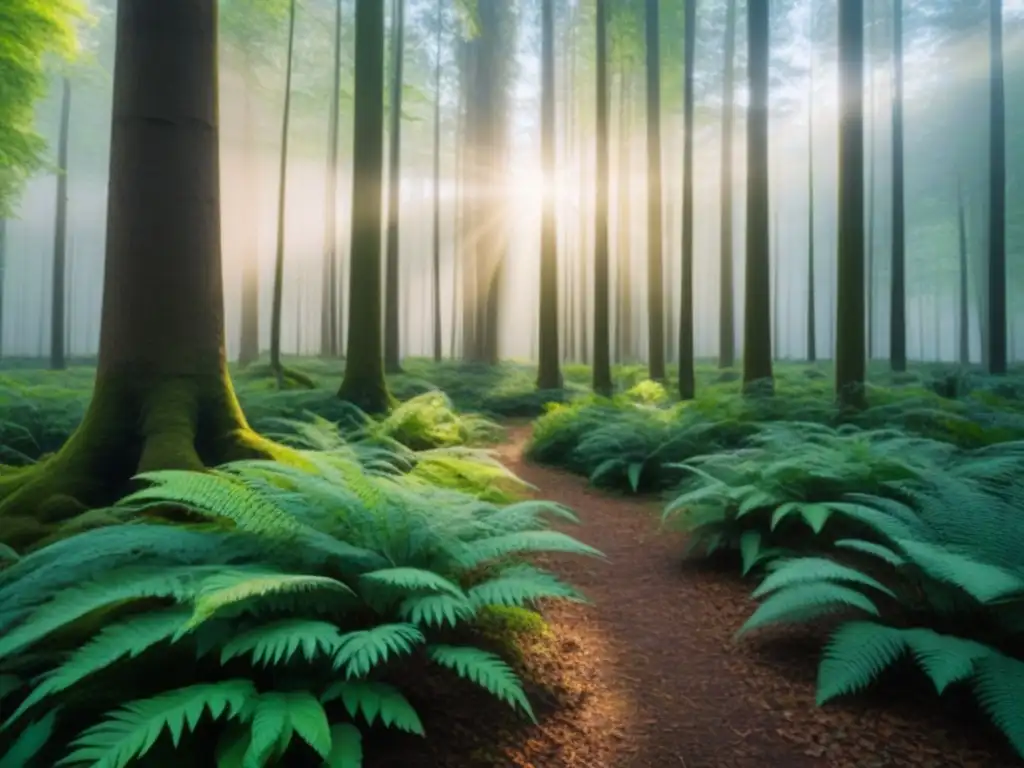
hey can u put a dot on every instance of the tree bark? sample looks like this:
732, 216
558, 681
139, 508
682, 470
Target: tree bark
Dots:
163, 398
812, 331
997, 196
602, 373
655, 276
726, 299
329, 289
964, 341
436, 244
392, 277
364, 383
249, 346
687, 385
898, 298
58, 336
624, 190
757, 331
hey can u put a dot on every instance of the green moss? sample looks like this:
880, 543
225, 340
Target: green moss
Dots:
503, 622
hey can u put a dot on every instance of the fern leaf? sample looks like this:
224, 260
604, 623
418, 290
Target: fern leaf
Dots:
494, 547
944, 658
855, 655
782, 512
128, 638
486, 670
229, 588
8, 553
815, 569
999, 686
279, 641
413, 579
346, 747
982, 581
131, 731
29, 742
519, 586
750, 546
233, 745
375, 700
802, 602
277, 714
363, 650
815, 515
870, 548
435, 610
633, 474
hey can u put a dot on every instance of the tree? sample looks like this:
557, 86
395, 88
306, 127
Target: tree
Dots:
364, 383
549, 375
997, 195
329, 314
602, 373
392, 304
851, 351
436, 244
686, 373
726, 313
58, 308
163, 398
812, 331
898, 297
963, 310
655, 276
757, 328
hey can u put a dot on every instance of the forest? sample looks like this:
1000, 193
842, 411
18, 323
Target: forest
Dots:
527, 383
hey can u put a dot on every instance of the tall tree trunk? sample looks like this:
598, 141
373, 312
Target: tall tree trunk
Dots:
997, 196
687, 385
812, 331
726, 299
58, 337
776, 270
851, 351
549, 374
249, 341
624, 189
364, 383
870, 285
329, 289
282, 192
757, 327
163, 398
436, 270
655, 276
392, 297
898, 299
964, 347
602, 373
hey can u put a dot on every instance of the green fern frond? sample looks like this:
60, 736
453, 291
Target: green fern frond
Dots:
491, 548
363, 650
374, 700
227, 589
944, 658
855, 655
278, 642
750, 547
29, 742
8, 553
982, 581
413, 579
519, 585
131, 731
870, 548
128, 638
806, 601
815, 569
346, 747
999, 686
486, 670
435, 610
277, 715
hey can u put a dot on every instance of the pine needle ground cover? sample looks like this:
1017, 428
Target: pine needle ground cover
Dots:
269, 615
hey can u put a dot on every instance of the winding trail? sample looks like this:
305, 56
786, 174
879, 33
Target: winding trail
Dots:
660, 682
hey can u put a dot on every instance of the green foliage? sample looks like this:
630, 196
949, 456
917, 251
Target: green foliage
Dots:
267, 618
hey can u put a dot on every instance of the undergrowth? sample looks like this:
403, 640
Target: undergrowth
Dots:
266, 614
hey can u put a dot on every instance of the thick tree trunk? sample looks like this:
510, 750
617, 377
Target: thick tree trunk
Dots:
898, 298
364, 383
851, 350
549, 375
757, 327
726, 299
392, 276
58, 337
249, 346
277, 307
655, 278
602, 373
812, 330
624, 190
997, 196
687, 385
163, 398
329, 289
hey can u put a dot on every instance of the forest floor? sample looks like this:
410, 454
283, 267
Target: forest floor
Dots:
648, 675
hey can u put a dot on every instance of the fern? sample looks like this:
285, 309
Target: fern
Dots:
998, 684
278, 642
374, 700
436, 610
486, 670
30, 742
346, 747
802, 602
815, 569
276, 715
519, 585
362, 650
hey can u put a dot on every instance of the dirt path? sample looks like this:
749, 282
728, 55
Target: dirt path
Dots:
659, 680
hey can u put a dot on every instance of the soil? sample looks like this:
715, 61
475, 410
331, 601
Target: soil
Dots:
648, 675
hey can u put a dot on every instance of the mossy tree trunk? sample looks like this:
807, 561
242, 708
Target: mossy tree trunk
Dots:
602, 373
364, 384
851, 350
757, 321
687, 385
163, 398
549, 375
